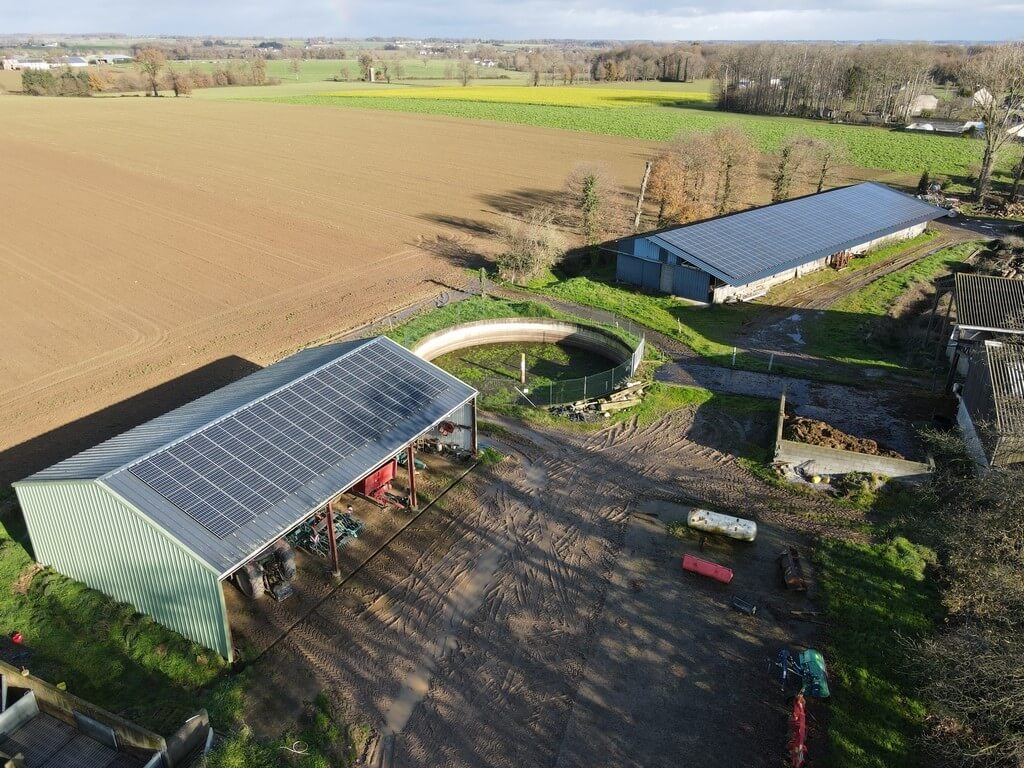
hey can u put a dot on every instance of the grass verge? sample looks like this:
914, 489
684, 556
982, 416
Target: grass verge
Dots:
659, 400
484, 308
876, 596
324, 740
858, 328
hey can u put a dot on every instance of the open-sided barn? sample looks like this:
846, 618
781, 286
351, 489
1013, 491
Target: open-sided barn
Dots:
741, 255
160, 516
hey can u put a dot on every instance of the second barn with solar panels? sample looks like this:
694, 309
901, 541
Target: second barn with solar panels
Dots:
162, 515
740, 256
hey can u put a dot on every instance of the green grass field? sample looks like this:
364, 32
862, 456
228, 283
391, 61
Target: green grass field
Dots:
876, 597
493, 369
853, 330
319, 70
583, 108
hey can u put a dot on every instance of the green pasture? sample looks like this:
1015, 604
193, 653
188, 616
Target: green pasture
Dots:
865, 146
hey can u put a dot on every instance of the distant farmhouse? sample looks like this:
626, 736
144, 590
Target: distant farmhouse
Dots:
37, 64
114, 58
926, 102
741, 255
946, 127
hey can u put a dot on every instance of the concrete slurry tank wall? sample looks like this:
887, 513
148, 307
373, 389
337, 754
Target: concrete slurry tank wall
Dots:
528, 329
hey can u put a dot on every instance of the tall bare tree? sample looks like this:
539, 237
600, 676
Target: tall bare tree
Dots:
365, 64
151, 63
824, 157
1018, 176
591, 199
465, 70
531, 246
788, 167
295, 66
997, 75
181, 82
736, 166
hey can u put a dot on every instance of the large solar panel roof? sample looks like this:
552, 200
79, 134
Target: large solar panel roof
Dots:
247, 473
749, 245
230, 472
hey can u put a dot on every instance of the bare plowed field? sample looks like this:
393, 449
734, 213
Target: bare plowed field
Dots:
147, 241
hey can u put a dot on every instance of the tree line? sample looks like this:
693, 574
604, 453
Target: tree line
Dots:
151, 73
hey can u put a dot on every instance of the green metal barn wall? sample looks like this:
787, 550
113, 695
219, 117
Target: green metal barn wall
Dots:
83, 531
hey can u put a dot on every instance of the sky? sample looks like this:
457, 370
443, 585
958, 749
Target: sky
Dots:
501, 19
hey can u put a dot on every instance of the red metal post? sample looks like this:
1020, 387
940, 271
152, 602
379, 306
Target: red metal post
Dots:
410, 456
332, 542
472, 426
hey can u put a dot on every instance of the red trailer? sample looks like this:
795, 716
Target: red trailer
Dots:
376, 484
707, 568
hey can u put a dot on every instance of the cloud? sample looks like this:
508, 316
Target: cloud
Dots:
645, 19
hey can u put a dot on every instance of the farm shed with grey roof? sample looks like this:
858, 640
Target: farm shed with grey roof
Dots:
989, 303
741, 255
991, 410
987, 307
159, 516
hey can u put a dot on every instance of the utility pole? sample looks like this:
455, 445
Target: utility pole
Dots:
640, 197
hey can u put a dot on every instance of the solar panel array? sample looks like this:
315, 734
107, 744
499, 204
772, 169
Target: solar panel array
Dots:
230, 472
760, 240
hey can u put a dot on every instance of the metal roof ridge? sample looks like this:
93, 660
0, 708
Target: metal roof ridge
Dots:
719, 217
240, 408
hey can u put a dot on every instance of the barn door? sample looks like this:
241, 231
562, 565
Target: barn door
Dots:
666, 278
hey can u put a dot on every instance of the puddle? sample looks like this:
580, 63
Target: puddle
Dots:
666, 511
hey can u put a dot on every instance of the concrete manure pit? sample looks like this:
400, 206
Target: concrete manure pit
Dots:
538, 616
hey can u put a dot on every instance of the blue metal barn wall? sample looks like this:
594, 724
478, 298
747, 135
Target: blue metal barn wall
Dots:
651, 279
691, 283
629, 269
81, 530
645, 249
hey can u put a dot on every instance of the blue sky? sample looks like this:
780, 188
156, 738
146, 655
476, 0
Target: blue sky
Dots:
582, 19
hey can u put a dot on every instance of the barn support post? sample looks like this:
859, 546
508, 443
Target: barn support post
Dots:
472, 426
332, 542
411, 456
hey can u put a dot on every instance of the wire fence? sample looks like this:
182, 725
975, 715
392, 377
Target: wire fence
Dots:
395, 324
595, 385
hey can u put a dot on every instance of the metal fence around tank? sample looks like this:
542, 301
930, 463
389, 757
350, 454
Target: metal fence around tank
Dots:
595, 385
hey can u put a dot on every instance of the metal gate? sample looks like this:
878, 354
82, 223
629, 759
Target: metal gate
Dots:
691, 283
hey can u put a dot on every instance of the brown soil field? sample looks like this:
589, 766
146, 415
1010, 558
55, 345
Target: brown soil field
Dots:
10, 80
173, 243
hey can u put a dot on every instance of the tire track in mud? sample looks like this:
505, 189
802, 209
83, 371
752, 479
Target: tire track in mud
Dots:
469, 645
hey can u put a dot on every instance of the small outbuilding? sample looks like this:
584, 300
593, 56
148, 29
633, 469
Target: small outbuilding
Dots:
987, 308
741, 255
991, 407
160, 516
